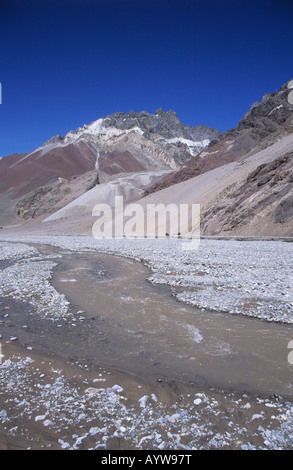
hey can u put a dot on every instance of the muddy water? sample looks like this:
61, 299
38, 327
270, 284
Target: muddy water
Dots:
141, 329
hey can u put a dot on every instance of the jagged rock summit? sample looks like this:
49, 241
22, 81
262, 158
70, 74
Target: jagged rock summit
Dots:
261, 126
243, 182
145, 141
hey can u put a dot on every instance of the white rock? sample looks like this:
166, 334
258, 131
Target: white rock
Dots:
40, 417
47, 422
7, 363
174, 417
93, 391
142, 401
197, 401
117, 388
64, 444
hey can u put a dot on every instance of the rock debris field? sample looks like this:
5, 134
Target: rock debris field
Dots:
49, 402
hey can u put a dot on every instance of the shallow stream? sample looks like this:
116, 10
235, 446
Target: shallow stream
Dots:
142, 329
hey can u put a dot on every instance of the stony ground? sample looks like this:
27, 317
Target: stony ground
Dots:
48, 402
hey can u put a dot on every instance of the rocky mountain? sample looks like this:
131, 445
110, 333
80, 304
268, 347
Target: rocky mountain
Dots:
250, 197
261, 126
261, 200
242, 179
113, 145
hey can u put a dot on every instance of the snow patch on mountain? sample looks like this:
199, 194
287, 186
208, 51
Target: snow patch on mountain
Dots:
99, 132
194, 147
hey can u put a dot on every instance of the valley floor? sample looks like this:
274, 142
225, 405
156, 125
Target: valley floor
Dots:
93, 356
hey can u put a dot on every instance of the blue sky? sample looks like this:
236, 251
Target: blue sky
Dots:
66, 63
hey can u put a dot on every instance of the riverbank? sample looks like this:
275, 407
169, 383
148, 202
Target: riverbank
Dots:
50, 401
247, 277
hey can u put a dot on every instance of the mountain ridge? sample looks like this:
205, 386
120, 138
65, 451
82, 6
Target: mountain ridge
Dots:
263, 124
242, 178
114, 145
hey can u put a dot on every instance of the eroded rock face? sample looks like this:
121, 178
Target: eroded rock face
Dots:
269, 115
264, 198
261, 126
284, 211
47, 199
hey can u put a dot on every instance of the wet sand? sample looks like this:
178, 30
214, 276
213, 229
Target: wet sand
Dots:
224, 374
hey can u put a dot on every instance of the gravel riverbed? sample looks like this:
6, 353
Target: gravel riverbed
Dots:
69, 406
253, 278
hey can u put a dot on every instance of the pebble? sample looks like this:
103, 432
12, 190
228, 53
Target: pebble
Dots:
173, 418
40, 417
197, 401
92, 391
143, 401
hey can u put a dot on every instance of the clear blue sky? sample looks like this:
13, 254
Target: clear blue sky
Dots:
66, 63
